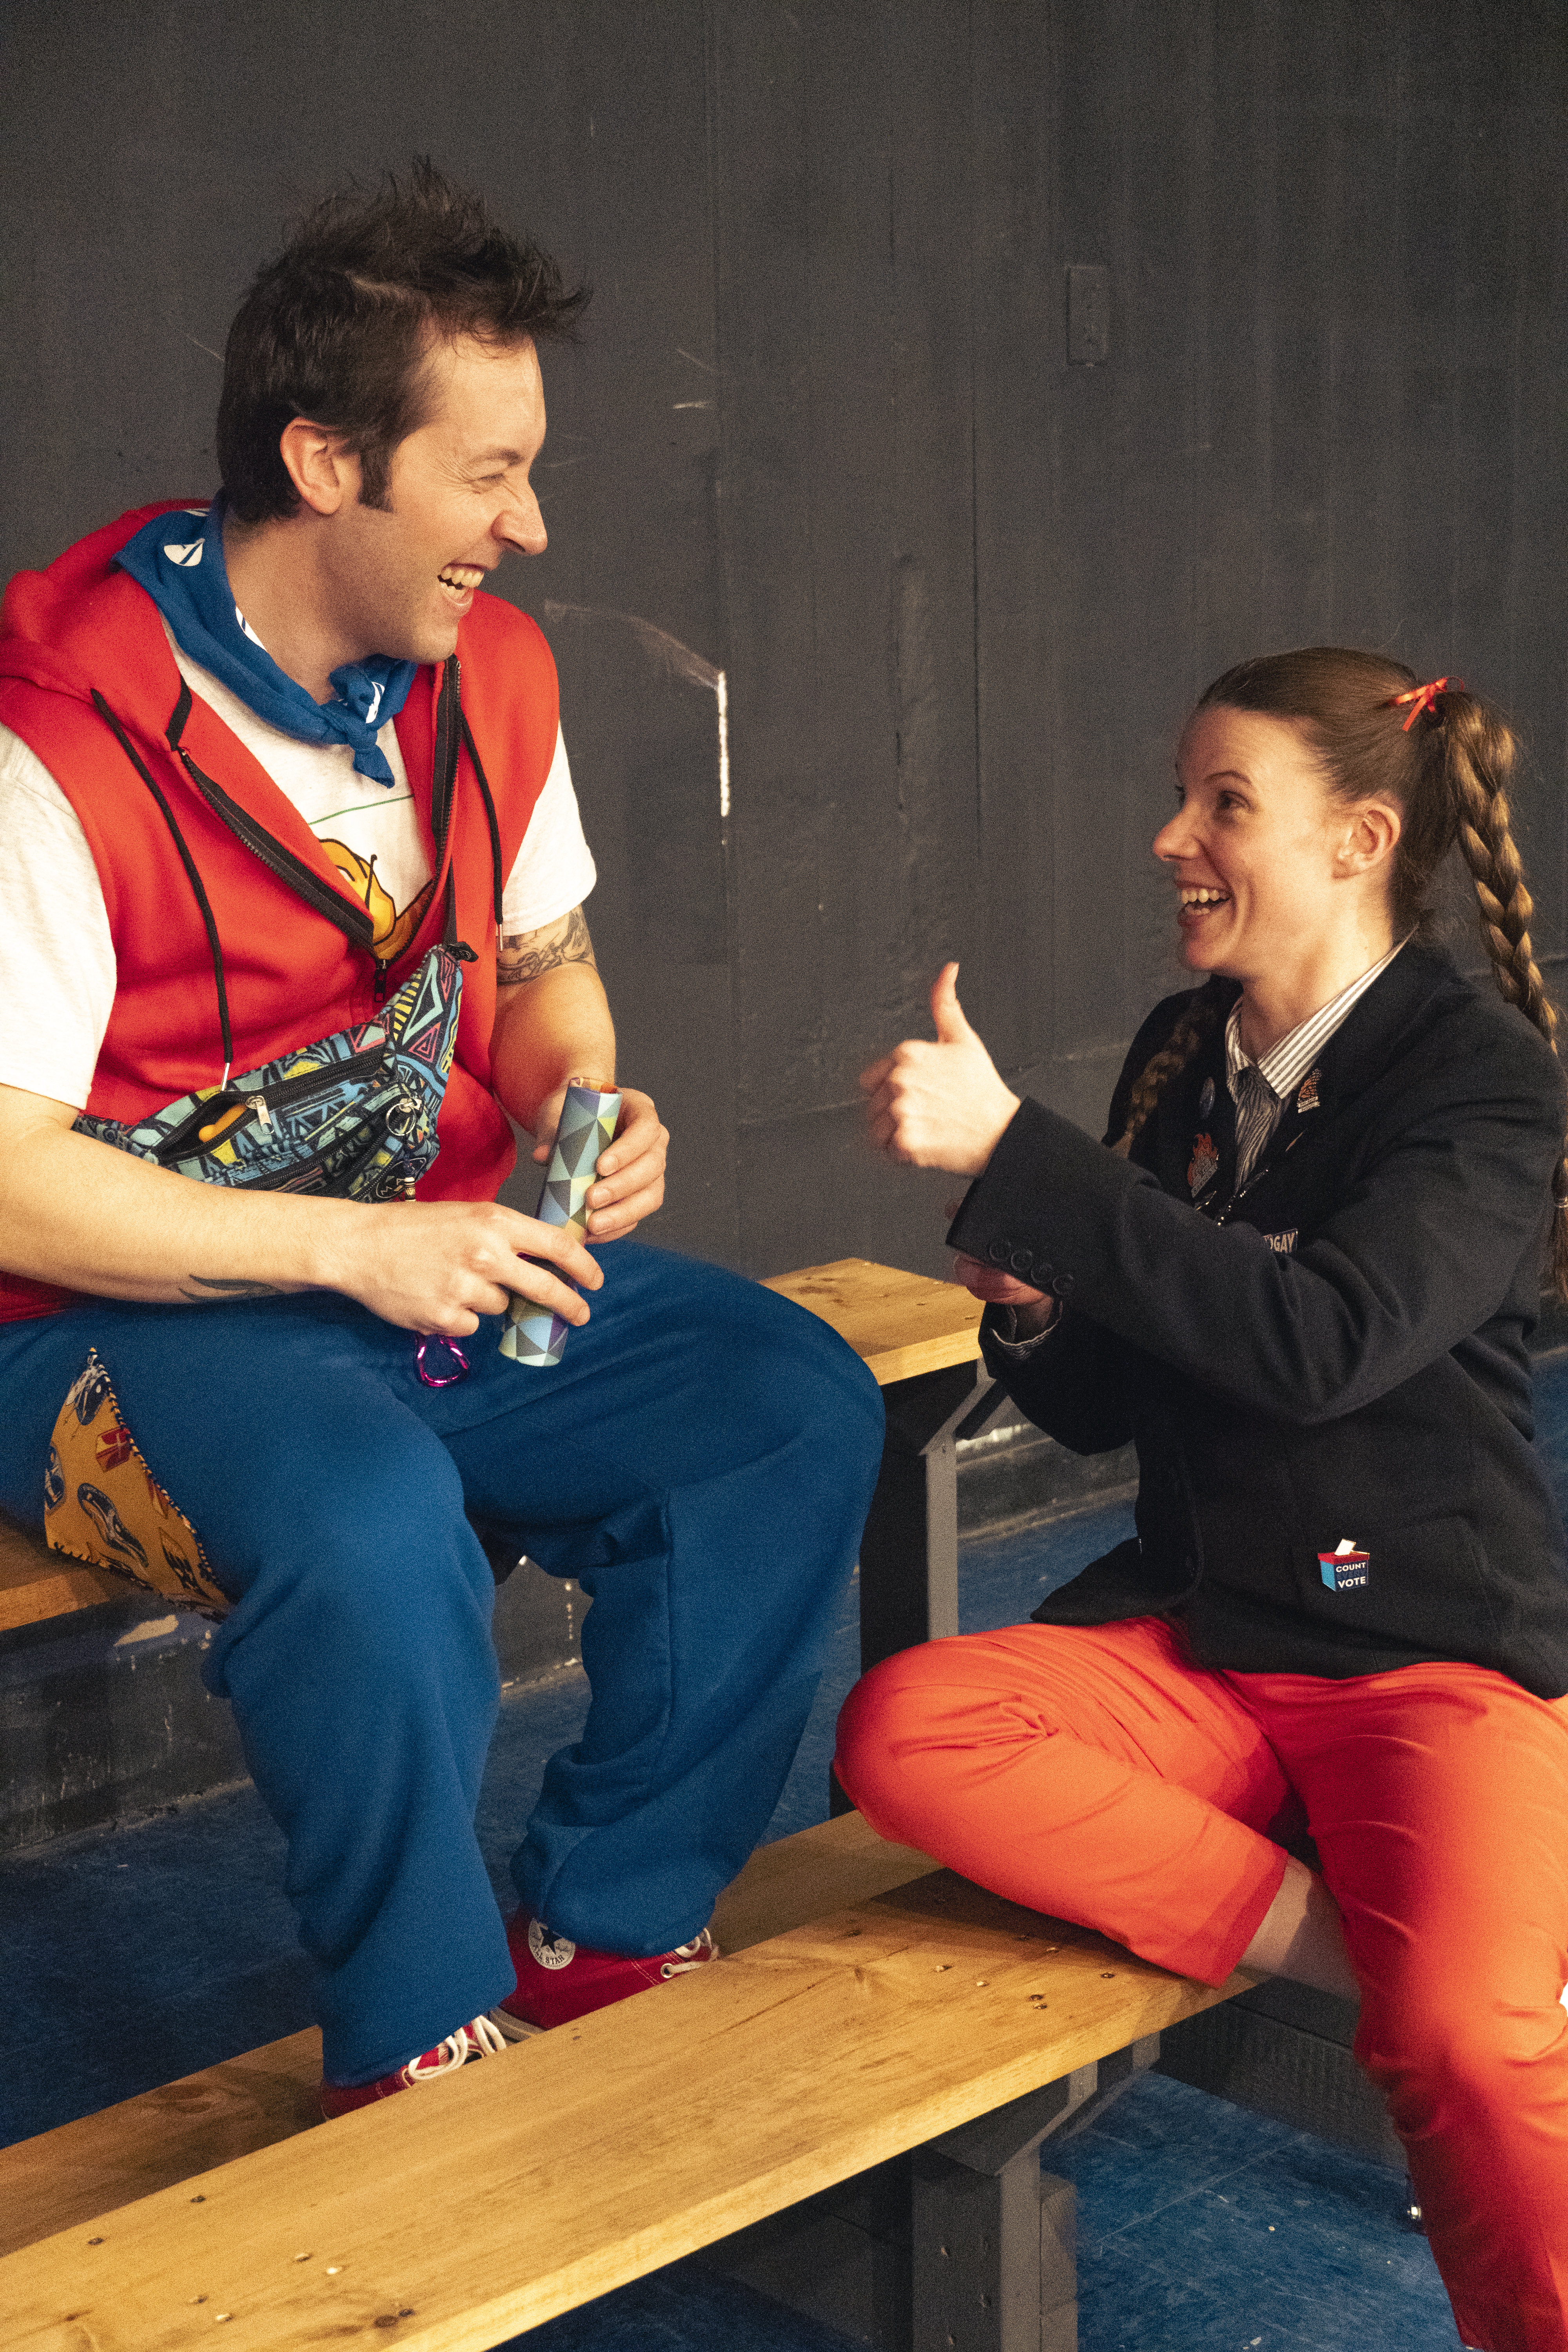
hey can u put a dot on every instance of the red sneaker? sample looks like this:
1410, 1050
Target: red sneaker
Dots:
477, 2040
558, 1981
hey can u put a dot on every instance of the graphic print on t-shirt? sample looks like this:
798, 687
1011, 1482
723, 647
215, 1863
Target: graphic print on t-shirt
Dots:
394, 927
371, 832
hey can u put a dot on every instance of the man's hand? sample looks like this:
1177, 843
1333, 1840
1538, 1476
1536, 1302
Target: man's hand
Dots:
552, 1015
630, 1172
435, 1266
943, 1104
77, 1212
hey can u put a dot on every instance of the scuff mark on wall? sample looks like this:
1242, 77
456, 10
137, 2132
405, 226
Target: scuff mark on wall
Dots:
676, 661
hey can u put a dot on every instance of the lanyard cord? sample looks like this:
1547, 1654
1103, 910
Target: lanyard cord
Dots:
188, 862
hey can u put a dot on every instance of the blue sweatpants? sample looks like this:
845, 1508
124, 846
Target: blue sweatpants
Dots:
701, 1461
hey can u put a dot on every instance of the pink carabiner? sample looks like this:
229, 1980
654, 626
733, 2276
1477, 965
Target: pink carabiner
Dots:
429, 1379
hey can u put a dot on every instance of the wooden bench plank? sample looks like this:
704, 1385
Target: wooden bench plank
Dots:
36, 1582
591, 2156
163, 2136
898, 1324
158, 2138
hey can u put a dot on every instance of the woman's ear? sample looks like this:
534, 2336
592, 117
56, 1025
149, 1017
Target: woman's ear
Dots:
1368, 838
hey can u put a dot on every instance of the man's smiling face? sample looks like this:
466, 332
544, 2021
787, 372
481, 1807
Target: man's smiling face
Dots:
402, 576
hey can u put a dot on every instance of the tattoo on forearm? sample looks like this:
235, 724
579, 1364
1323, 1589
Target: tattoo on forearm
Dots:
526, 955
211, 1289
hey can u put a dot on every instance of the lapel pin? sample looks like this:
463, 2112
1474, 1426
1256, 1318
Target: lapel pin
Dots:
1345, 1569
1308, 1098
1204, 1165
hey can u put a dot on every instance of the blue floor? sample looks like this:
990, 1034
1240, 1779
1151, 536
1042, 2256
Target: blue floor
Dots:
136, 1955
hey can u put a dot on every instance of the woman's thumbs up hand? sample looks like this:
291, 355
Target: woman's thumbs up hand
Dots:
948, 1016
942, 1105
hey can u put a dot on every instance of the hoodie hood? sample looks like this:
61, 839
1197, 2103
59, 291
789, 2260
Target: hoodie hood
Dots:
82, 624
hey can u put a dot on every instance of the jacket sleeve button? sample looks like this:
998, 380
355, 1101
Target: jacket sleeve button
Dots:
1063, 1285
999, 1252
1022, 1260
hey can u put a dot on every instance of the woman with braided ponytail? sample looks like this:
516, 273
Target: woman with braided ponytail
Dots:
1301, 1278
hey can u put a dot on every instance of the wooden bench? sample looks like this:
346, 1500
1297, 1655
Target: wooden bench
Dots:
875, 2022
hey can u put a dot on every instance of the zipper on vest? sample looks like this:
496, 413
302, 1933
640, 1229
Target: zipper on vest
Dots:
354, 921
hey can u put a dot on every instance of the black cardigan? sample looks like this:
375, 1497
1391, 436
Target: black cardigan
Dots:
1337, 1352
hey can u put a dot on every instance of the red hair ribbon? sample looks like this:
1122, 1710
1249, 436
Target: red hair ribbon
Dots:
1424, 697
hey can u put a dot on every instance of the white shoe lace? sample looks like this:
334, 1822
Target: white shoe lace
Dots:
477, 2039
687, 1957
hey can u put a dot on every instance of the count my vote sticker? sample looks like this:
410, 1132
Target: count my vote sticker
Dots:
1344, 1569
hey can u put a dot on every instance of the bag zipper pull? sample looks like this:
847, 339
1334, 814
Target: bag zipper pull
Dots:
381, 972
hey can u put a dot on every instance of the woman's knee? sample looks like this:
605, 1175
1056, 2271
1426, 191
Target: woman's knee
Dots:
897, 1713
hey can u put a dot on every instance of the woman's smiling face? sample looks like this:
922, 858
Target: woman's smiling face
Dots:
1255, 847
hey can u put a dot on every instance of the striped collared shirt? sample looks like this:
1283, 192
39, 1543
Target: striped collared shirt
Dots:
1260, 1089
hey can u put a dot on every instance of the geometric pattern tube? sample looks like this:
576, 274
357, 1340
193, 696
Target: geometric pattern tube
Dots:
534, 1335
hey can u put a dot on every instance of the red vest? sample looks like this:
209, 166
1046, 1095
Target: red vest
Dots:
292, 976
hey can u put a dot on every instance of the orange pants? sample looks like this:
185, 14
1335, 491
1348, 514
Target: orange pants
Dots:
1100, 1775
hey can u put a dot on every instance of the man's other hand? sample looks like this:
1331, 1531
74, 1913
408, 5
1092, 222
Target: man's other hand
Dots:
435, 1266
630, 1171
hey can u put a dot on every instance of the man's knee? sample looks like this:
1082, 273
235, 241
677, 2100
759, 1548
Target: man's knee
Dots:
792, 1388
837, 1401
366, 1555
800, 1359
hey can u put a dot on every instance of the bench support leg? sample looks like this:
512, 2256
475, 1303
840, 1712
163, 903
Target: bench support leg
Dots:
965, 2245
993, 2238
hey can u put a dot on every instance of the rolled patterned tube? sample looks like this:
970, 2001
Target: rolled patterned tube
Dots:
534, 1335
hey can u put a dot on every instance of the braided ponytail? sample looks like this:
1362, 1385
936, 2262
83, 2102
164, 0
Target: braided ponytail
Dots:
1480, 760
1479, 754
1447, 769
1203, 1010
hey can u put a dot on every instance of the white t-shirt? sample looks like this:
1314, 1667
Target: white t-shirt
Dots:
57, 957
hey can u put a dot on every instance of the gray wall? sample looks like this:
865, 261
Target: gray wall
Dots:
825, 438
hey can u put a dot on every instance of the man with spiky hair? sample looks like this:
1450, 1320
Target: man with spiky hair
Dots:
293, 908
